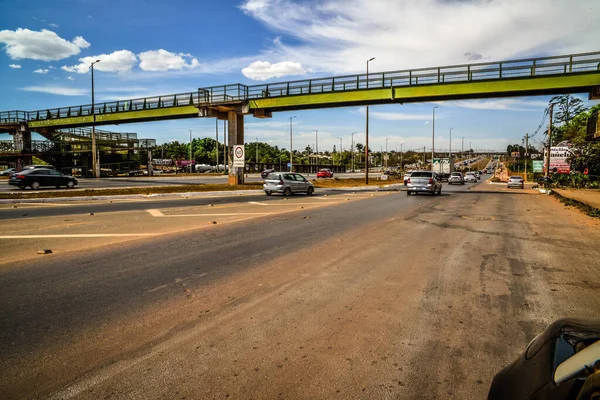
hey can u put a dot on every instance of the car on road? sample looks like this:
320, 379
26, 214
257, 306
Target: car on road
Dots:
477, 175
515, 181
287, 183
424, 182
266, 173
470, 177
406, 176
325, 173
38, 177
8, 172
456, 178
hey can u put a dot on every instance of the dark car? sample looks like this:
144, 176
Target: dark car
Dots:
266, 173
560, 363
36, 178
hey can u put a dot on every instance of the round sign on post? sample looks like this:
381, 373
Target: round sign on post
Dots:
238, 156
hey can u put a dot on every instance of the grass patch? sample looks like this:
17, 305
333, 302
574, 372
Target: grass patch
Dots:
585, 208
495, 179
352, 182
129, 191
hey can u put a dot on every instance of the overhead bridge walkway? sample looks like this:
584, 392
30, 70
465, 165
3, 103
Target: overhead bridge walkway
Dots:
534, 76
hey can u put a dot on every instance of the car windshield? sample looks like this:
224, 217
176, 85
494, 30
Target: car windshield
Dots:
455, 174
423, 174
516, 178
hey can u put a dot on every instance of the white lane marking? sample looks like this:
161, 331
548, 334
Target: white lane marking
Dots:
206, 215
157, 288
78, 235
155, 213
258, 203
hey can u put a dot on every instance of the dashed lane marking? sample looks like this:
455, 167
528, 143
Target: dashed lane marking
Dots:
79, 235
158, 213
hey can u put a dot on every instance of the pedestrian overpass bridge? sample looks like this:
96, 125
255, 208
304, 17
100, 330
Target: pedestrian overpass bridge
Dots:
575, 73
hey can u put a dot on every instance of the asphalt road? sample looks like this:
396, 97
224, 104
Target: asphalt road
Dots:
159, 180
382, 296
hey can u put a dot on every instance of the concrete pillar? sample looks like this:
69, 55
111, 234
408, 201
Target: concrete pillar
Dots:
22, 141
235, 132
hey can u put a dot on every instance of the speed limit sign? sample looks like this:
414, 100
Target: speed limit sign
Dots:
238, 156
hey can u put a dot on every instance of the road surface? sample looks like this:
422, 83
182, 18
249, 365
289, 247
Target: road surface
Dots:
354, 295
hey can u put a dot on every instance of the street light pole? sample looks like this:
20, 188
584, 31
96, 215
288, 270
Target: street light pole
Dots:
386, 152
450, 152
470, 143
462, 148
433, 137
256, 154
401, 156
352, 149
367, 130
95, 165
291, 155
190, 150
217, 133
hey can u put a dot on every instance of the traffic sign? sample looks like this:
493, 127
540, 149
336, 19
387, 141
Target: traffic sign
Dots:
238, 156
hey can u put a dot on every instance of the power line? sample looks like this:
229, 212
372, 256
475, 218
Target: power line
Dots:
541, 123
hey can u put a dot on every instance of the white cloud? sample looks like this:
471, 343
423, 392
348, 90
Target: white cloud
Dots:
339, 36
71, 77
15, 66
41, 71
44, 45
162, 60
58, 90
499, 104
263, 70
53, 25
118, 61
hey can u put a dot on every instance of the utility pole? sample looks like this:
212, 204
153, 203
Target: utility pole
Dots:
549, 144
450, 152
367, 131
291, 155
316, 141
433, 137
386, 152
401, 157
217, 132
526, 153
352, 148
190, 151
225, 152
462, 148
95, 164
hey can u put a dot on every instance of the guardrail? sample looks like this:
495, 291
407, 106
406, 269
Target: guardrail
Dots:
523, 68
37, 146
13, 117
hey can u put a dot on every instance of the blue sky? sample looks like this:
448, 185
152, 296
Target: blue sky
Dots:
151, 47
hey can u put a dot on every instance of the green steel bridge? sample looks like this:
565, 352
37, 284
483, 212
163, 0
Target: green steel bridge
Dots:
525, 77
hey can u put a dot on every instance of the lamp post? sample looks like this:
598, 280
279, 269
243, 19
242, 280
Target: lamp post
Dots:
352, 149
470, 143
433, 137
462, 147
386, 152
256, 168
367, 130
450, 151
190, 150
401, 156
291, 155
95, 165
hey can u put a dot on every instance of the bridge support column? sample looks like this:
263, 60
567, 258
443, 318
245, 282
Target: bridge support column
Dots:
235, 132
22, 143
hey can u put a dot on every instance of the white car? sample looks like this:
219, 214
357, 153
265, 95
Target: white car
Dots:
470, 178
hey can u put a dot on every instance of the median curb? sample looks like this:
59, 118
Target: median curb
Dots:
388, 188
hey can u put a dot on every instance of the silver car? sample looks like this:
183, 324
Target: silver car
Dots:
424, 182
470, 177
456, 178
515, 181
287, 183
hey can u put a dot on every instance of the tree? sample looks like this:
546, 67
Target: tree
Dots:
566, 107
360, 147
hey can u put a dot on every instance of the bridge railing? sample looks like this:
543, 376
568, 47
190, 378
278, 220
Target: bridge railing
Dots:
13, 117
36, 146
524, 68
144, 103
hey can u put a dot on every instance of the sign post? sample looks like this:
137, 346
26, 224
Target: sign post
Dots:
239, 158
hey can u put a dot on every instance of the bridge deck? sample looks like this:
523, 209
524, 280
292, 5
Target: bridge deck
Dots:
546, 75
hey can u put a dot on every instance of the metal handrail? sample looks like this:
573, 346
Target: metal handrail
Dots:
523, 68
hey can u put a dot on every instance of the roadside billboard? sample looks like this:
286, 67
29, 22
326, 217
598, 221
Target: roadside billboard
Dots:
558, 158
538, 166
